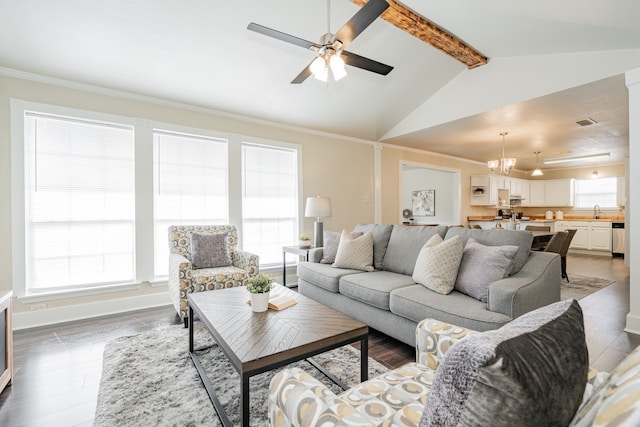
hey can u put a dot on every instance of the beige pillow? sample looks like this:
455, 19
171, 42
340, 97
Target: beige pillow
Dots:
355, 253
437, 264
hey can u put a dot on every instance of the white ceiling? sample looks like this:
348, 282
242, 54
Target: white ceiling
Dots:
200, 52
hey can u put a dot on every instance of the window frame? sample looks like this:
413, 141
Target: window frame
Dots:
143, 187
591, 180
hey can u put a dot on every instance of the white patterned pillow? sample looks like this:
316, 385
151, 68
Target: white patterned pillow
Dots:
355, 253
437, 264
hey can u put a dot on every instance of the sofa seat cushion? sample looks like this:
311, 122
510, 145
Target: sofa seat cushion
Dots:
395, 398
497, 237
405, 244
208, 279
323, 275
417, 302
373, 288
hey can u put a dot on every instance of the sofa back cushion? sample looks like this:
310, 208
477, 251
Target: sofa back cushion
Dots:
381, 234
405, 244
530, 372
498, 237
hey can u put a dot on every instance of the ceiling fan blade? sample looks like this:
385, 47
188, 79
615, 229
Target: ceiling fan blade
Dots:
361, 20
283, 36
303, 75
365, 63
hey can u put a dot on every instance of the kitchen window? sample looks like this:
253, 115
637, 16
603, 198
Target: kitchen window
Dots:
591, 192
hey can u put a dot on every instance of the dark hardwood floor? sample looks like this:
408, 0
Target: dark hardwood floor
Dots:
58, 368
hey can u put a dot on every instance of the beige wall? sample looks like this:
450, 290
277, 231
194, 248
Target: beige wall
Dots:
332, 166
339, 168
391, 159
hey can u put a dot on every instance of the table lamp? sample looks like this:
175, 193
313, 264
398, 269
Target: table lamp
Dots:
318, 207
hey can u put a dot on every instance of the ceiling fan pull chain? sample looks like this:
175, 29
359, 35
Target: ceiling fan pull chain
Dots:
329, 16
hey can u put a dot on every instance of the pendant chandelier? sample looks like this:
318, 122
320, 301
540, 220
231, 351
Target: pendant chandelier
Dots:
505, 163
537, 171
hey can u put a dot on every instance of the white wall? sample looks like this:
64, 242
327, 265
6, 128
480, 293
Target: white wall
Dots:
633, 203
445, 184
333, 166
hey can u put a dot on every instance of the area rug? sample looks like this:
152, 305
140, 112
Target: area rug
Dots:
149, 380
582, 286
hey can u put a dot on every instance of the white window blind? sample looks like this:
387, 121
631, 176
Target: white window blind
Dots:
601, 191
79, 203
269, 201
190, 186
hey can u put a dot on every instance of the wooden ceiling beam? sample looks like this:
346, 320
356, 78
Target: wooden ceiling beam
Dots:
427, 31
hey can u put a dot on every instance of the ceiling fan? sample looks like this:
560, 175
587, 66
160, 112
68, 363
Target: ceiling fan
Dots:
330, 51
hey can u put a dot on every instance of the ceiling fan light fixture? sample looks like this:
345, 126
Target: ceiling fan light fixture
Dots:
337, 67
319, 69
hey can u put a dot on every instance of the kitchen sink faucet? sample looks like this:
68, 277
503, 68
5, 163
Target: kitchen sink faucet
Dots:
596, 211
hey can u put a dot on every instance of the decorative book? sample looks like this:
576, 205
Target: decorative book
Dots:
280, 298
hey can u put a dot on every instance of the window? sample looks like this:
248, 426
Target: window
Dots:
79, 203
601, 191
269, 200
190, 186
93, 195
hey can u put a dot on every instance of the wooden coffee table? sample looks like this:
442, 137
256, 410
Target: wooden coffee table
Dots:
259, 342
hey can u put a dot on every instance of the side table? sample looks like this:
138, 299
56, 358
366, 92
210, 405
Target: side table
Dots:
296, 250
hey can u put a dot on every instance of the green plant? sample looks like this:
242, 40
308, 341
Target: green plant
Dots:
259, 284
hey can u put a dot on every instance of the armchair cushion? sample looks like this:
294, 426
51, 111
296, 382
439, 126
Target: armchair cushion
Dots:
514, 375
210, 250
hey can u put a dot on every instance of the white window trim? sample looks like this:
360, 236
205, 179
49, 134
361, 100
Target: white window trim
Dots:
18, 108
144, 235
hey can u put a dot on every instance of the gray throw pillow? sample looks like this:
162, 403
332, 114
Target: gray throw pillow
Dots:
481, 266
331, 241
531, 372
210, 250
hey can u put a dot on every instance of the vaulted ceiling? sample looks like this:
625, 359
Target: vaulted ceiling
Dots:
550, 64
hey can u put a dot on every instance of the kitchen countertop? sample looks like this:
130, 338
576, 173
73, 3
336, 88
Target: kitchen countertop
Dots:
541, 218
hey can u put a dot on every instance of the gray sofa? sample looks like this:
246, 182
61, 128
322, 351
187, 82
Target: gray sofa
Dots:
389, 300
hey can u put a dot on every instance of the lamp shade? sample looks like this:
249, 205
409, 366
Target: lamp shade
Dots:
318, 207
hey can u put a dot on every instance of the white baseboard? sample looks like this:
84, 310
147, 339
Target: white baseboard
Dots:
633, 324
50, 316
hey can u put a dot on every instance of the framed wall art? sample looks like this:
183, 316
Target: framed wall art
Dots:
424, 202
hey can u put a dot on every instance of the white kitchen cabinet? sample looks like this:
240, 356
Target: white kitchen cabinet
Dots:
498, 190
600, 236
590, 235
480, 190
536, 193
558, 192
519, 192
581, 238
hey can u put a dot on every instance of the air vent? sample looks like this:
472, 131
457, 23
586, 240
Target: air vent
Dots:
586, 122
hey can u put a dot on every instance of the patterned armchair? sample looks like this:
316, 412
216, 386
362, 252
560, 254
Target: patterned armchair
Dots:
184, 279
398, 397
